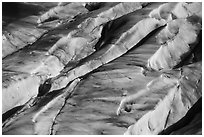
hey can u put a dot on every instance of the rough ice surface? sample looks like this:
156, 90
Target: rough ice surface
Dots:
102, 68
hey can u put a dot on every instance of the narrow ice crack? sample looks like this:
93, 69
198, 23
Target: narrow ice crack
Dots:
54, 119
66, 97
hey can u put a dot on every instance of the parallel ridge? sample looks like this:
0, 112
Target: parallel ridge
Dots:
37, 65
111, 72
